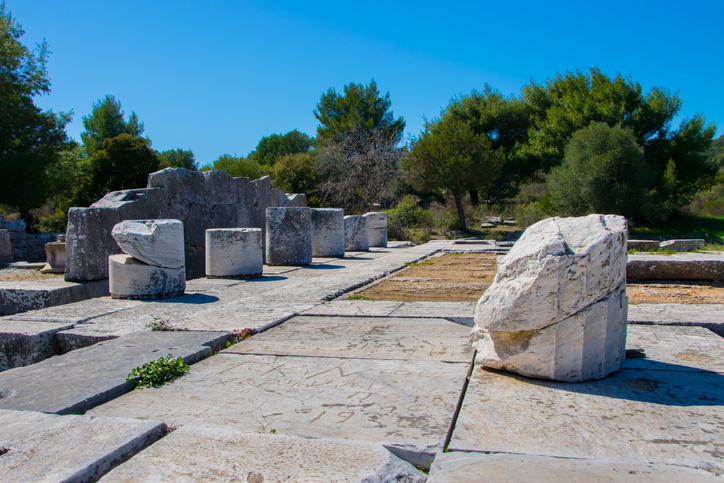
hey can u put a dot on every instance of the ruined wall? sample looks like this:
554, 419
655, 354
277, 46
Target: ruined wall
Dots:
200, 200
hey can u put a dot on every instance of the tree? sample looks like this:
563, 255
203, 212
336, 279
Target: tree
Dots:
177, 158
124, 162
604, 171
449, 155
273, 147
295, 173
30, 139
237, 167
359, 108
106, 121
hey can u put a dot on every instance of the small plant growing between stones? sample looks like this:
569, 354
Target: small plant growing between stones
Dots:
158, 372
237, 336
161, 325
358, 297
418, 264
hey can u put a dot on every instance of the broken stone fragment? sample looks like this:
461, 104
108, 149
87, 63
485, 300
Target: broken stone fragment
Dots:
155, 242
132, 279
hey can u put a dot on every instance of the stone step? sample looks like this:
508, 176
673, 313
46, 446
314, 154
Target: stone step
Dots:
25, 342
16, 297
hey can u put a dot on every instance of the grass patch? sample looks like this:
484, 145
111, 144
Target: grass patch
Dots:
418, 264
158, 372
710, 228
658, 251
358, 297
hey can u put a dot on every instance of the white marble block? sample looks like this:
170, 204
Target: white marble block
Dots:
376, 219
155, 242
356, 234
130, 278
327, 232
378, 237
288, 236
557, 307
234, 253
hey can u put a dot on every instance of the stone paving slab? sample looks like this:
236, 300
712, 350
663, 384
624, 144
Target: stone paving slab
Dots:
81, 379
677, 314
18, 297
223, 455
408, 404
354, 308
459, 312
50, 448
657, 413
77, 312
364, 338
680, 348
26, 342
681, 266
457, 467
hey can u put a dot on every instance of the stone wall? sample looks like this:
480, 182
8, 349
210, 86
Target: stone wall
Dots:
200, 200
25, 246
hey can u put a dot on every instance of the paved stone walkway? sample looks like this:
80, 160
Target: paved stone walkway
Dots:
346, 390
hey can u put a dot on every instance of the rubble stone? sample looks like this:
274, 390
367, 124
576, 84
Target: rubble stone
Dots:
327, 232
234, 253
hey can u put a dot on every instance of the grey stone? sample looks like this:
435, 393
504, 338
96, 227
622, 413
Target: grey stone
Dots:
643, 245
355, 308
153, 242
96, 374
133, 279
234, 252
6, 248
298, 200
705, 315
288, 236
458, 312
89, 243
17, 226
47, 447
681, 266
17, 297
356, 234
23, 343
378, 237
77, 312
54, 258
376, 219
684, 245
327, 232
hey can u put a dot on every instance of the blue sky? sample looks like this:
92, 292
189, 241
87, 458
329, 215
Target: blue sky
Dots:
216, 76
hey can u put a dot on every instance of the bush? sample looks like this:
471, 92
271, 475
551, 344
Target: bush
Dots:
158, 372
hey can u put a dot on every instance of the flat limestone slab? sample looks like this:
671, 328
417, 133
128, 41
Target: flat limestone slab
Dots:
47, 447
681, 266
364, 338
222, 455
354, 308
676, 348
508, 468
81, 379
16, 297
402, 403
677, 314
459, 312
25, 342
654, 412
77, 312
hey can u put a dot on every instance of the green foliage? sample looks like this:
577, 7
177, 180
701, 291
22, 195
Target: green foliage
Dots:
358, 297
295, 173
123, 163
105, 122
271, 148
604, 171
409, 212
177, 158
30, 139
238, 167
360, 108
158, 372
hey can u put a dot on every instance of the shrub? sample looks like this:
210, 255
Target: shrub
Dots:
158, 372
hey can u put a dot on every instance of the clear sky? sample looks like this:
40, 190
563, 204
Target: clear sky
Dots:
215, 76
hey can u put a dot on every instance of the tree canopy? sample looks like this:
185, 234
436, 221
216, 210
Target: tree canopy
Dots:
106, 121
271, 148
177, 158
237, 167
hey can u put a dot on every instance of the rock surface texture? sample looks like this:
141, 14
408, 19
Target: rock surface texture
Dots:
288, 236
327, 232
132, 279
234, 253
356, 234
154, 242
557, 307
377, 226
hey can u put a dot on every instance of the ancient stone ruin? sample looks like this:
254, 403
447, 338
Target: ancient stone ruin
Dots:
377, 226
557, 307
288, 236
234, 253
356, 233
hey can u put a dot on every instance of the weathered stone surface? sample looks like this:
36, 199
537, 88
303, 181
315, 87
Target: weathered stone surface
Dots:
79, 380
288, 236
54, 258
356, 234
458, 312
456, 467
89, 243
327, 232
222, 455
17, 226
17, 297
132, 279
683, 266
355, 308
643, 245
154, 242
6, 248
47, 447
684, 245
378, 237
77, 312
234, 253
376, 219
705, 315
24, 342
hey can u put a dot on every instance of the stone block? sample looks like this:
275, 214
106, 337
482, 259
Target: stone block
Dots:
18, 254
23, 296
234, 253
262, 192
327, 232
154, 242
6, 248
684, 245
376, 219
680, 266
89, 243
218, 184
288, 236
198, 220
378, 237
356, 234
26, 342
54, 258
296, 200
17, 226
130, 278
277, 198
643, 245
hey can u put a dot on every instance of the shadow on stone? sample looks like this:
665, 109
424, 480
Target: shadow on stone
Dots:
195, 298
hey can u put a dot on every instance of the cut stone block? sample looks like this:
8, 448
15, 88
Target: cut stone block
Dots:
24, 342
681, 266
643, 245
6, 248
234, 253
47, 447
327, 232
133, 279
18, 297
54, 258
288, 236
356, 234
511, 468
684, 245
222, 455
79, 380
154, 242
378, 237
376, 219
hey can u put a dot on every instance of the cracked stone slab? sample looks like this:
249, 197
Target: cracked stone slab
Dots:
406, 404
658, 412
459, 312
26, 342
355, 308
17, 297
79, 380
457, 467
682, 348
48, 447
676, 314
77, 312
363, 337
222, 455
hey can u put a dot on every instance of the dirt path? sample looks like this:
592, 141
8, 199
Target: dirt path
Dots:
26, 275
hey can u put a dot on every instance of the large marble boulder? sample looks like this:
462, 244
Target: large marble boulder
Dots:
557, 307
155, 242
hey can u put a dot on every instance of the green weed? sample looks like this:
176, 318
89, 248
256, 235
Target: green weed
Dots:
358, 297
158, 372
161, 325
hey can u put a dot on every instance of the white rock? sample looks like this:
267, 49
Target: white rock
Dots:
234, 253
130, 278
356, 234
376, 219
378, 237
327, 232
155, 242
